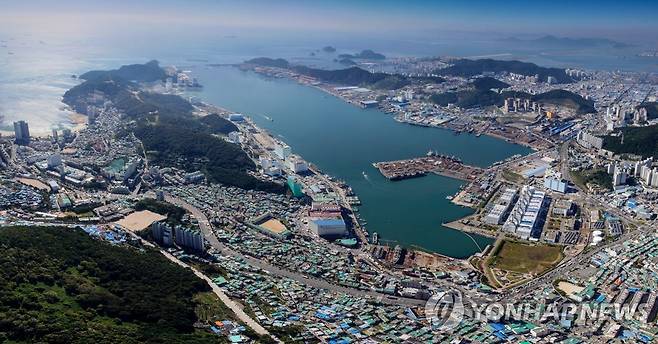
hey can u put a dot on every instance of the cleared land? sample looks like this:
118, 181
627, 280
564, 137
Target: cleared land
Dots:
139, 220
35, 184
274, 225
569, 288
524, 258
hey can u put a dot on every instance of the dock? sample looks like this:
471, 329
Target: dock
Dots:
439, 164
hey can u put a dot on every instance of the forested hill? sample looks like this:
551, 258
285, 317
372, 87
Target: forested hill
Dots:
637, 140
148, 72
353, 76
468, 68
58, 285
478, 95
171, 132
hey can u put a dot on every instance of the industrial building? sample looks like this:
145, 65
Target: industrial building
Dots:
526, 215
325, 220
297, 165
332, 227
499, 212
555, 184
236, 117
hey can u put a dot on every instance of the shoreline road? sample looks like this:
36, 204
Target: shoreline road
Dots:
204, 224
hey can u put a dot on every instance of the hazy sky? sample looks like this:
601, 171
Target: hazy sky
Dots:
624, 20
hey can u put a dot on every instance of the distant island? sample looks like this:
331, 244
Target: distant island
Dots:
468, 68
269, 62
147, 72
329, 49
363, 55
348, 76
566, 42
347, 62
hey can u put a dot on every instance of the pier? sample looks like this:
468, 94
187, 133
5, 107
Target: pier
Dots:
417, 167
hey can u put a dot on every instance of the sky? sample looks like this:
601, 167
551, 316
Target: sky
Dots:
629, 20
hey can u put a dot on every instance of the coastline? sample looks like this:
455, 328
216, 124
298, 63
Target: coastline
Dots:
77, 121
250, 118
397, 116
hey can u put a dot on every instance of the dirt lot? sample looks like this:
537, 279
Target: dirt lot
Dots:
140, 220
526, 258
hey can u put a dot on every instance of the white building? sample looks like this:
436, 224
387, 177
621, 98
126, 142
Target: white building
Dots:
236, 117
555, 184
526, 214
283, 151
325, 227
619, 176
588, 140
234, 137
189, 238
499, 211
297, 165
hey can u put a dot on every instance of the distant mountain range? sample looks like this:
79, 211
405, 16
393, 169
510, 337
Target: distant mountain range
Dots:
363, 55
468, 68
566, 42
349, 76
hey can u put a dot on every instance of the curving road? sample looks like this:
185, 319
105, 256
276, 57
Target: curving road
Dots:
206, 228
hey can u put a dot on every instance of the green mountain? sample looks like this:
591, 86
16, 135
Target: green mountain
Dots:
470, 98
348, 76
566, 99
366, 54
478, 95
172, 133
356, 76
487, 83
147, 72
637, 140
469, 68
58, 285
269, 62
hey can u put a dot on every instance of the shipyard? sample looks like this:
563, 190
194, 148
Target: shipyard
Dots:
432, 163
248, 189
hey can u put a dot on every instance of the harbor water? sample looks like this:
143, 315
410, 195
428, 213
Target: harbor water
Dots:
344, 141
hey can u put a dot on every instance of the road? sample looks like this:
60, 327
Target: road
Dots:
225, 299
244, 317
206, 228
577, 262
